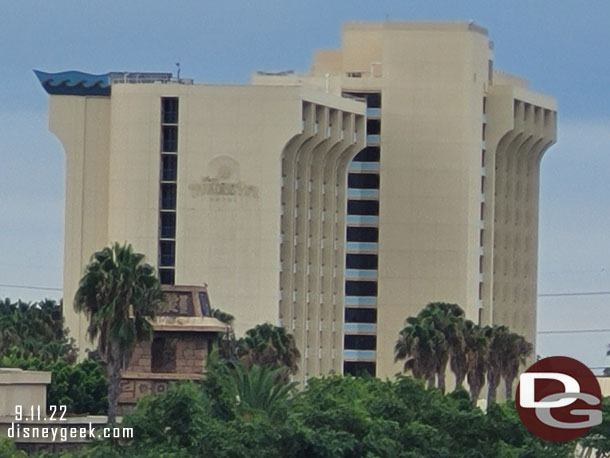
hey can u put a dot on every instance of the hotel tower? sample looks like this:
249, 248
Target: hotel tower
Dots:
402, 169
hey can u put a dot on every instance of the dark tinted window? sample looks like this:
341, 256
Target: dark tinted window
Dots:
168, 196
363, 180
168, 225
169, 110
169, 139
368, 154
166, 276
373, 126
169, 167
359, 368
360, 288
166, 253
362, 234
358, 315
362, 207
373, 99
205, 304
359, 342
361, 261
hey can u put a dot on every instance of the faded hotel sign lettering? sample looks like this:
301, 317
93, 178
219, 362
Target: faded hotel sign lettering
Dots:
215, 187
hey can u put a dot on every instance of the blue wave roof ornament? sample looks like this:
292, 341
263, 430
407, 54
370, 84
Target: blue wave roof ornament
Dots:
74, 83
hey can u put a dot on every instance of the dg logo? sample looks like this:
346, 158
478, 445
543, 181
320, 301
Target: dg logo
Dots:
559, 399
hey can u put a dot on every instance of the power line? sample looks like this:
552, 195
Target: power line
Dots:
585, 293
30, 287
574, 331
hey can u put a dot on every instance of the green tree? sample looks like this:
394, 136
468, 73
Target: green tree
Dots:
447, 320
120, 294
476, 340
226, 341
35, 329
416, 347
268, 345
81, 387
431, 340
332, 417
258, 389
499, 345
517, 351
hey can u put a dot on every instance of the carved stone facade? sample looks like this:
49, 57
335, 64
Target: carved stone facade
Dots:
183, 335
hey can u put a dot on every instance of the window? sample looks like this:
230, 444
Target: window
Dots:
361, 261
373, 99
360, 288
169, 167
360, 342
362, 207
363, 180
167, 254
362, 234
205, 304
168, 190
359, 368
368, 154
360, 315
373, 126
163, 355
168, 225
168, 196
169, 110
166, 276
169, 139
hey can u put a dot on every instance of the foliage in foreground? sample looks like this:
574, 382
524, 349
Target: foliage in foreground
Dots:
80, 387
35, 330
333, 417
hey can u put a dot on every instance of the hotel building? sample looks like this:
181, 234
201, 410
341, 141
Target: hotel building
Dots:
402, 169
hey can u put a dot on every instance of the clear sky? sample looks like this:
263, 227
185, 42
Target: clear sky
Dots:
562, 47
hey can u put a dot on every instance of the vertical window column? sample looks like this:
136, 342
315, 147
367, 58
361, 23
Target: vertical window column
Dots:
168, 190
482, 203
361, 263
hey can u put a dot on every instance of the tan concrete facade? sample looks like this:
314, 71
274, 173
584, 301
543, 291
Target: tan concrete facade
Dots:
265, 173
460, 147
229, 186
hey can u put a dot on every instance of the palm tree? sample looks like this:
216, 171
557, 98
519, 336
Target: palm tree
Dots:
269, 345
476, 340
517, 352
120, 294
258, 388
499, 343
448, 320
416, 346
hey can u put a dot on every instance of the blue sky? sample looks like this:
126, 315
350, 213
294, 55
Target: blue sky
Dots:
561, 47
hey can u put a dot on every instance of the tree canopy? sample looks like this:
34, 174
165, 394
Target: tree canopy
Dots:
120, 294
